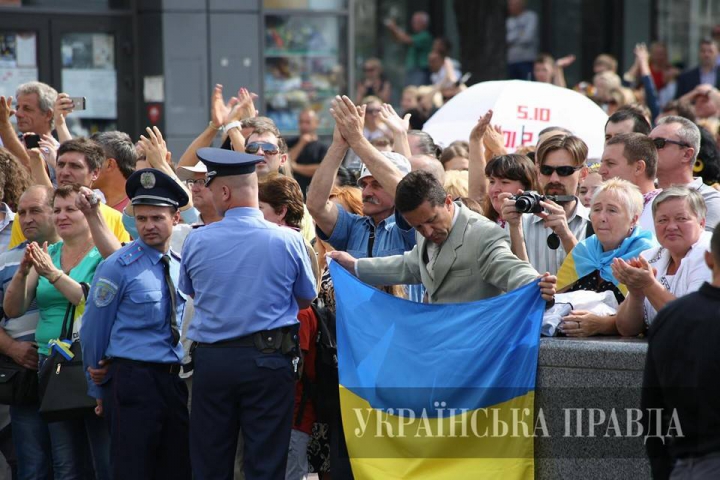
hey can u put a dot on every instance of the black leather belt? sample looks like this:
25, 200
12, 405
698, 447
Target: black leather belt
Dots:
171, 368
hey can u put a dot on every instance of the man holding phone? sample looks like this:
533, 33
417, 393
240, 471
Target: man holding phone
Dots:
34, 113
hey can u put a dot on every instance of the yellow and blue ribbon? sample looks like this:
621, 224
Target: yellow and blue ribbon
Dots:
62, 347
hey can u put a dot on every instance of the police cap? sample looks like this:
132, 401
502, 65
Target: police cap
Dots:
223, 163
153, 187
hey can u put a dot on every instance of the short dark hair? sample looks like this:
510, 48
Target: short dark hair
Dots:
631, 112
118, 145
426, 143
513, 167
416, 188
681, 109
280, 191
92, 151
65, 191
638, 147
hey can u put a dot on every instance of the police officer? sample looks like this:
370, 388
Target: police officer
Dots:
248, 278
132, 321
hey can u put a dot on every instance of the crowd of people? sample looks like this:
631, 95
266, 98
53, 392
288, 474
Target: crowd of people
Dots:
198, 285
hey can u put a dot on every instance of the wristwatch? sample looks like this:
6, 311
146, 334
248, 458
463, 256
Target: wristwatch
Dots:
231, 125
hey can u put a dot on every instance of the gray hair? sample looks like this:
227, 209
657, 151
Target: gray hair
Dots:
46, 96
688, 131
694, 199
118, 145
628, 193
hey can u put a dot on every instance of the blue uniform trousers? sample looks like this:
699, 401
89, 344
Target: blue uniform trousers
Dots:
146, 411
237, 387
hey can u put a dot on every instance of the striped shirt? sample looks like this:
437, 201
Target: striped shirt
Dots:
23, 327
542, 257
6, 227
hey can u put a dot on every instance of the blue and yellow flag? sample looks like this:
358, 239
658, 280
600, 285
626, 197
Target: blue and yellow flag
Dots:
437, 391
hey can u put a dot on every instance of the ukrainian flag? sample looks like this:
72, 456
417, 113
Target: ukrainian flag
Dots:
441, 391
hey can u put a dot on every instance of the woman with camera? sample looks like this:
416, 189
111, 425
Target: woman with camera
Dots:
53, 276
675, 268
615, 209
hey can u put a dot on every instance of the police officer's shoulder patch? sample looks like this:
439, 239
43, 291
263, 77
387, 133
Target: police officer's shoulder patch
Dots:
104, 292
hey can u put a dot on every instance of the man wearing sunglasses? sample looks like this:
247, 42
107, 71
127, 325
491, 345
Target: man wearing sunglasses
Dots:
544, 239
677, 140
266, 140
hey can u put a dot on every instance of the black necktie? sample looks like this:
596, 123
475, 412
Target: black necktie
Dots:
173, 300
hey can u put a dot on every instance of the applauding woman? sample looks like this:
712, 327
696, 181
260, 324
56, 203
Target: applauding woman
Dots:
615, 209
52, 276
675, 268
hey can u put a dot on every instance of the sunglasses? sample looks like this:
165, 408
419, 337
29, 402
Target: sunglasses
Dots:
191, 183
372, 111
661, 142
268, 148
564, 171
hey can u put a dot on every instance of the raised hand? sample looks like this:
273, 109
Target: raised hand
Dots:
478, 131
393, 120
349, 118
155, 148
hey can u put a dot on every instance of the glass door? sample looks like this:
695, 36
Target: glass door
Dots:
306, 59
93, 59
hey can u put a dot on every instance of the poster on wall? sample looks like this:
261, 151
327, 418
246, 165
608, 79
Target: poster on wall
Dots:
18, 60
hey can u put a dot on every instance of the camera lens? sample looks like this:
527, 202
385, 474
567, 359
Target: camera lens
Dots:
523, 204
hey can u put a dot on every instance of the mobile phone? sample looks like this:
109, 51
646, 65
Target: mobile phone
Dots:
32, 141
78, 103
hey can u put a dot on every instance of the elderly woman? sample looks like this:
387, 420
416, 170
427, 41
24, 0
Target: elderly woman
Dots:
675, 268
52, 276
615, 209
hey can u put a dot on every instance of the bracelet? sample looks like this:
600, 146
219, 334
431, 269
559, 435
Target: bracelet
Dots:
53, 281
231, 125
213, 126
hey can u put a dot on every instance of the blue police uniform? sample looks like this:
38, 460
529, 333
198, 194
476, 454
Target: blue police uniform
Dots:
129, 322
245, 275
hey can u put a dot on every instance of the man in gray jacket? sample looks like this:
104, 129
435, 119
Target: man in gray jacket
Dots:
460, 256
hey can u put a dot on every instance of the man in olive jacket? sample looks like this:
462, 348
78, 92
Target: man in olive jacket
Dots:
460, 255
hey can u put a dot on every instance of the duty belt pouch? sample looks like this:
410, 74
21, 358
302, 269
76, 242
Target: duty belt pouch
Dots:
268, 341
290, 340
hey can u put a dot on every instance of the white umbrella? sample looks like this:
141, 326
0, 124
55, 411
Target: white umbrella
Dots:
522, 109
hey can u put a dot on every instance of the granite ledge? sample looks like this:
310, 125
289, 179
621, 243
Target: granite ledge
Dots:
597, 353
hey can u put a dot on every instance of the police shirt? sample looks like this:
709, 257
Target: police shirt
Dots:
128, 310
244, 274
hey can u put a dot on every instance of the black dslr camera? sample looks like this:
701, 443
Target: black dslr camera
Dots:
529, 202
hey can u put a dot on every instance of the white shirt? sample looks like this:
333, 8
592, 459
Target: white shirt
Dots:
689, 277
542, 257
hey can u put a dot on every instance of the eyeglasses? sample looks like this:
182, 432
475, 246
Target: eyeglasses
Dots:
191, 183
661, 142
564, 171
268, 148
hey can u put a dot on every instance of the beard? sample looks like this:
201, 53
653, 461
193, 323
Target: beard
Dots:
555, 189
